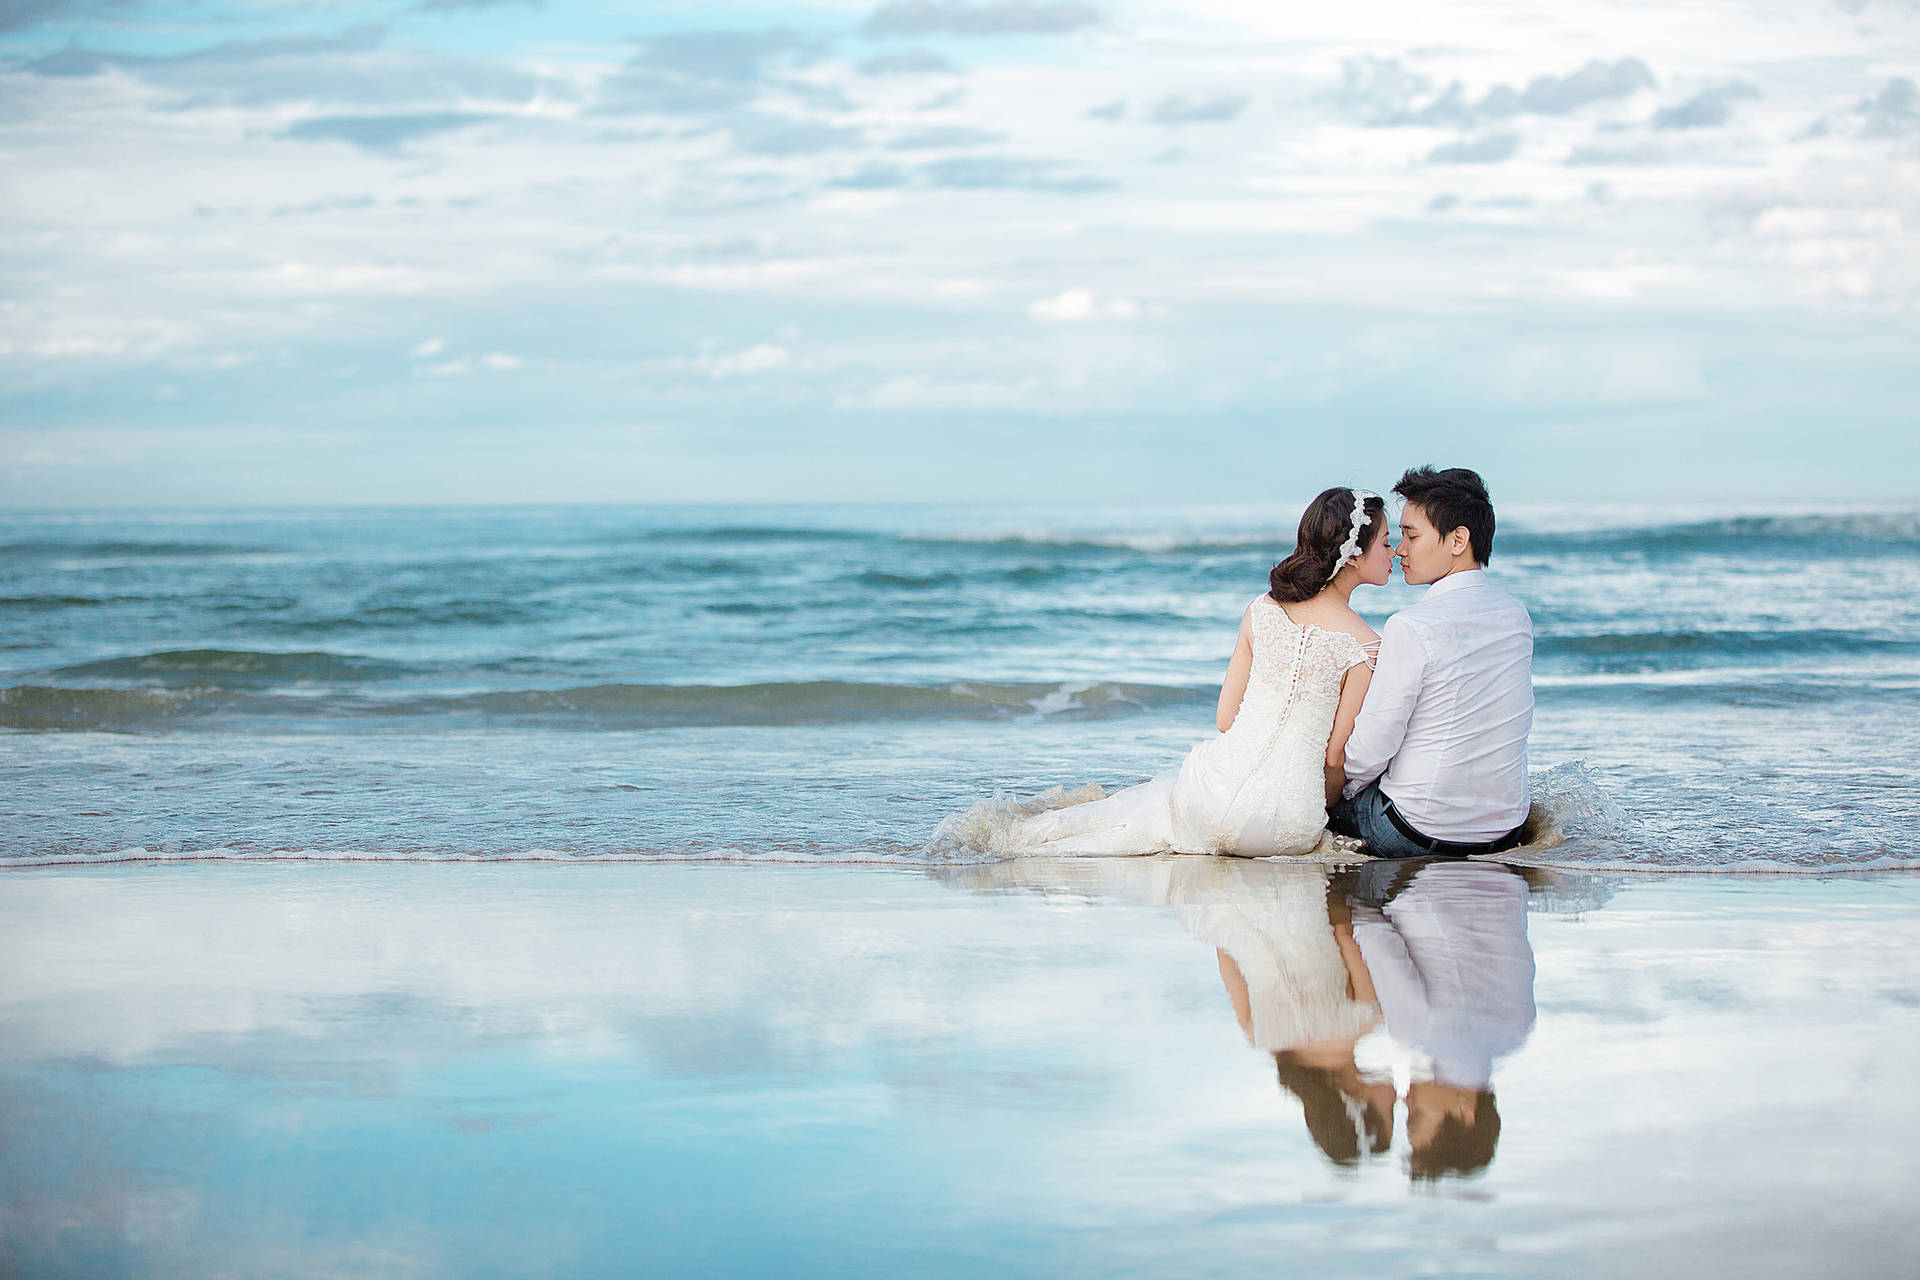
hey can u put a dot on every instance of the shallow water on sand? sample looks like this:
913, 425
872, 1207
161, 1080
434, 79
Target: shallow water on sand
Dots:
1716, 690
1025, 1069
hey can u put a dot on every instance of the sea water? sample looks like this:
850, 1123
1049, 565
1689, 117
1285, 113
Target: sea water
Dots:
1717, 690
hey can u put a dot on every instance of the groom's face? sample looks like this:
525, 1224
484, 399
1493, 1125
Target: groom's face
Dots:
1424, 555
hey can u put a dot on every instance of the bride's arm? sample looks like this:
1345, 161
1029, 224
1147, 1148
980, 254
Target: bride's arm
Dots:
1353, 691
1234, 687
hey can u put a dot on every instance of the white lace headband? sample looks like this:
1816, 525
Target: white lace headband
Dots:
1357, 521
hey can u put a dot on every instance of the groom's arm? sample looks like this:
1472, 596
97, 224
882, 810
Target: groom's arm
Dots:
1381, 726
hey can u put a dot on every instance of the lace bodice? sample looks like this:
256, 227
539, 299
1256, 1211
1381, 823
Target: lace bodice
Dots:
1300, 663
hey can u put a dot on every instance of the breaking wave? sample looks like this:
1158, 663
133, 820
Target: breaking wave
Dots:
128, 549
233, 668
1877, 533
607, 706
1615, 648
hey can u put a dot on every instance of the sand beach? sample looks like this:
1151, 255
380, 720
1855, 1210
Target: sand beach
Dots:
1021, 1069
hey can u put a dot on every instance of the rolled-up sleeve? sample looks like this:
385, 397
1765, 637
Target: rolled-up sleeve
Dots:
1381, 725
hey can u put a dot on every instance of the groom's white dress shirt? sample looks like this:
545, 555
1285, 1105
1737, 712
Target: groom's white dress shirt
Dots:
1452, 967
1444, 725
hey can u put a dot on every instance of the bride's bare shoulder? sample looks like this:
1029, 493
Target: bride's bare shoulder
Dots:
1356, 626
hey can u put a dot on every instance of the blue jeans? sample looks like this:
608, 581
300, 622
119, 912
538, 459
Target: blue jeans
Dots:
1363, 816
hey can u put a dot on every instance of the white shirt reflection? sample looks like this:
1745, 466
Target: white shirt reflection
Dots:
1452, 967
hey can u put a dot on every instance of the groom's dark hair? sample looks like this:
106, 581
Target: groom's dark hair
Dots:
1453, 499
1460, 1148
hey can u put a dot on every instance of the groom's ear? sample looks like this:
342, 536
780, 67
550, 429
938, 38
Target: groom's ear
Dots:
1459, 541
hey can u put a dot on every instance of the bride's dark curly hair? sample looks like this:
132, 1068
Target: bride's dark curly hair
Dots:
1324, 527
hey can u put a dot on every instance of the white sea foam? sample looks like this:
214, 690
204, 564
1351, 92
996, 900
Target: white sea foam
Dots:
136, 854
1733, 867
985, 832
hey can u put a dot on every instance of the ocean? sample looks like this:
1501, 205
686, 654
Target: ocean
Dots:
1718, 690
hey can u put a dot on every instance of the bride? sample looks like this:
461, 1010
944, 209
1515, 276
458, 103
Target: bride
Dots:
1292, 690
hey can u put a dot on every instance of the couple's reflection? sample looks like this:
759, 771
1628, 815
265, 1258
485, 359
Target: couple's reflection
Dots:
1315, 961
1368, 985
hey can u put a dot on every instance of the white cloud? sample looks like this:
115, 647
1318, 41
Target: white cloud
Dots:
1545, 375
376, 278
1783, 222
990, 18
1708, 109
428, 349
1384, 92
915, 393
753, 276
501, 361
1630, 281
78, 345
1491, 149
762, 357
1207, 109
1894, 112
1078, 305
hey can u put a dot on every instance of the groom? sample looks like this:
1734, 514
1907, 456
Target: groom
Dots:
1437, 762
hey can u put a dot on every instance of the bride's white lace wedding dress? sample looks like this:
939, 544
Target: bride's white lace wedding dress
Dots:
1257, 789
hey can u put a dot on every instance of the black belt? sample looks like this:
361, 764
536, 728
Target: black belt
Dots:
1449, 848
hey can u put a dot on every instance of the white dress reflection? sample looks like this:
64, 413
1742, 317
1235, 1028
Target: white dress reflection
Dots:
1291, 983
1299, 988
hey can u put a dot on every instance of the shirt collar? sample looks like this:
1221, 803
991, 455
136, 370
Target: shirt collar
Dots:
1458, 582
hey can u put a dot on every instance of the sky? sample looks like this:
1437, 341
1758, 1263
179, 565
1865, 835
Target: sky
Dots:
274, 253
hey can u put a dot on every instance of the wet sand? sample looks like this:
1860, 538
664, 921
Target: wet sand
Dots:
1032, 1069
